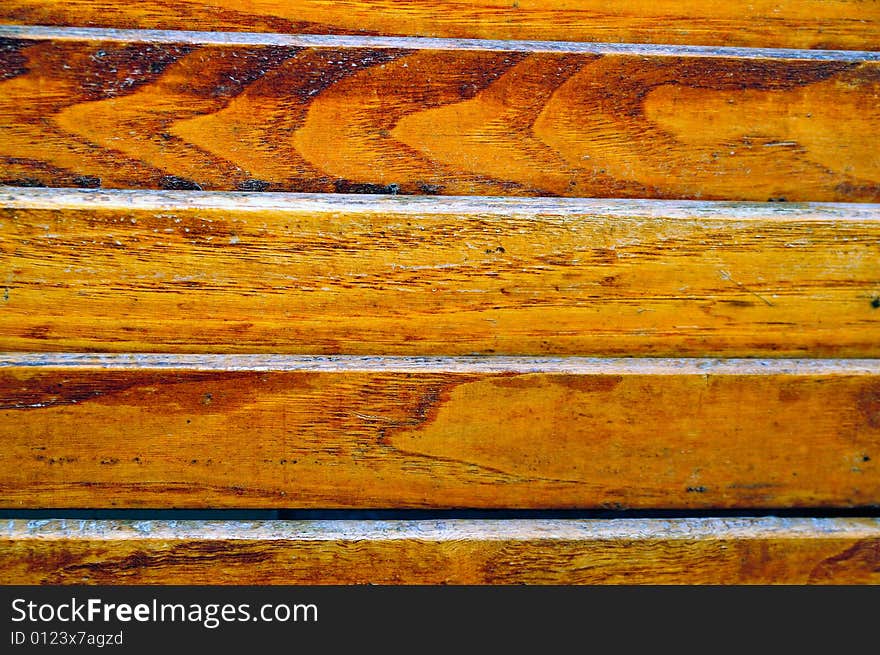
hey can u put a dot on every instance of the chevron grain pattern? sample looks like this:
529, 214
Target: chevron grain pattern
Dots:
369, 254
453, 121
345, 274
829, 24
383, 432
648, 551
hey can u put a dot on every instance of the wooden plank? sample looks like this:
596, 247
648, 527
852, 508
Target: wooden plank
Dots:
205, 431
195, 272
621, 551
835, 24
379, 114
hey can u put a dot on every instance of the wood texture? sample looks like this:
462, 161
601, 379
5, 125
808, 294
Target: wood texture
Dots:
665, 100
650, 551
834, 24
393, 116
189, 272
212, 431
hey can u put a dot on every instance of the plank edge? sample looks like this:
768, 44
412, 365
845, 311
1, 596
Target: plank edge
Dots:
45, 32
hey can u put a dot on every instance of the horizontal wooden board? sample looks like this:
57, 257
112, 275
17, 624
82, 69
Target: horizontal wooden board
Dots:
190, 272
831, 24
378, 114
623, 551
252, 431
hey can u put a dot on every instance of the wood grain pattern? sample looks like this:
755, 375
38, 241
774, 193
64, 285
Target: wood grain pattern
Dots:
212, 431
830, 24
190, 272
649, 551
455, 118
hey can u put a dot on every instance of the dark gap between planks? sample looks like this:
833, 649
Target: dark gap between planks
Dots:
425, 515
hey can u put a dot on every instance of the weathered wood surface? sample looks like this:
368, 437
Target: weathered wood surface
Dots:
324, 113
834, 24
648, 551
215, 431
190, 272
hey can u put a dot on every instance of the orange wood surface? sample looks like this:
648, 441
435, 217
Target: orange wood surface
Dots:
453, 120
831, 24
190, 272
650, 551
217, 431
642, 274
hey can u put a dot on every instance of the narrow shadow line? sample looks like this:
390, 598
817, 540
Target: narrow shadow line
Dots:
422, 514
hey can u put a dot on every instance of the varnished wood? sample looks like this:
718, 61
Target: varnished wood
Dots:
648, 551
771, 23
211, 431
189, 272
661, 100
400, 116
